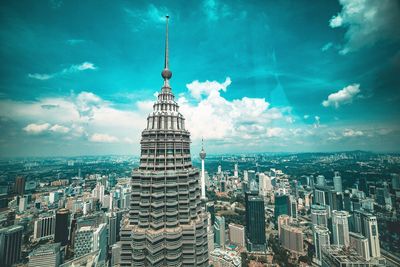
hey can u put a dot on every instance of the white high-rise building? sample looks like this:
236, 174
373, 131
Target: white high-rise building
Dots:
321, 180
371, 232
236, 171
53, 197
360, 244
89, 239
337, 182
265, 184
44, 227
340, 228
321, 240
319, 215
23, 204
237, 234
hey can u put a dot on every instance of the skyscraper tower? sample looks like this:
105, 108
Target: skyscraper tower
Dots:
167, 225
340, 228
203, 176
337, 182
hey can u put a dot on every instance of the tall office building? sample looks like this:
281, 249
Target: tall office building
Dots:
45, 255
321, 180
291, 238
320, 195
91, 238
321, 240
360, 244
219, 231
281, 205
347, 201
20, 185
283, 220
337, 182
319, 215
335, 200
340, 228
370, 226
237, 234
167, 224
62, 227
293, 207
203, 176
44, 227
255, 216
10, 245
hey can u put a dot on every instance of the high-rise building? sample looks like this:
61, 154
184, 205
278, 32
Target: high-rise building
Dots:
255, 216
337, 182
45, 255
23, 204
20, 185
167, 224
203, 176
53, 197
219, 231
291, 238
319, 195
360, 244
44, 227
236, 171
62, 227
89, 239
340, 228
335, 200
283, 219
370, 226
112, 228
237, 234
319, 215
321, 240
347, 201
281, 205
293, 207
321, 180
395, 181
10, 245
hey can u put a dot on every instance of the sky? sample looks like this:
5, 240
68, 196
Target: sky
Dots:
80, 77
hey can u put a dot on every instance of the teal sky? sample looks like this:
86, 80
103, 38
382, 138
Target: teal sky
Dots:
79, 77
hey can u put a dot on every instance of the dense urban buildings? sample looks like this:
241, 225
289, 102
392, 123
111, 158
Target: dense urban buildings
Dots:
168, 202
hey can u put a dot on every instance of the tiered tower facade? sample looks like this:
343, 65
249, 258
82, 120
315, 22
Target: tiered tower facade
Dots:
167, 225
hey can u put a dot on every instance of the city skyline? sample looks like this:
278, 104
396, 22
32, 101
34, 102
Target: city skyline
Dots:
82, 81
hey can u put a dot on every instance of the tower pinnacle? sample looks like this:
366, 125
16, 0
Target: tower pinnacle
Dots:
166, 73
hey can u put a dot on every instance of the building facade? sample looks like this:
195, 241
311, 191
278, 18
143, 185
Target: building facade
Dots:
167, 224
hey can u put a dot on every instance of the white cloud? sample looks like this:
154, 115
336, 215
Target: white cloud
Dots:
306, 116
215, 117
327, 46
34, 128
274, 132
85, 66
72, 69
59, 129
198, 89
367, 22
103, 138
41, 77
352, 133
343, 96
317, 121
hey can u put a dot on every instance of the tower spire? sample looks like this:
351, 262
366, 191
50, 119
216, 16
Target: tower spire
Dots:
166, 73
